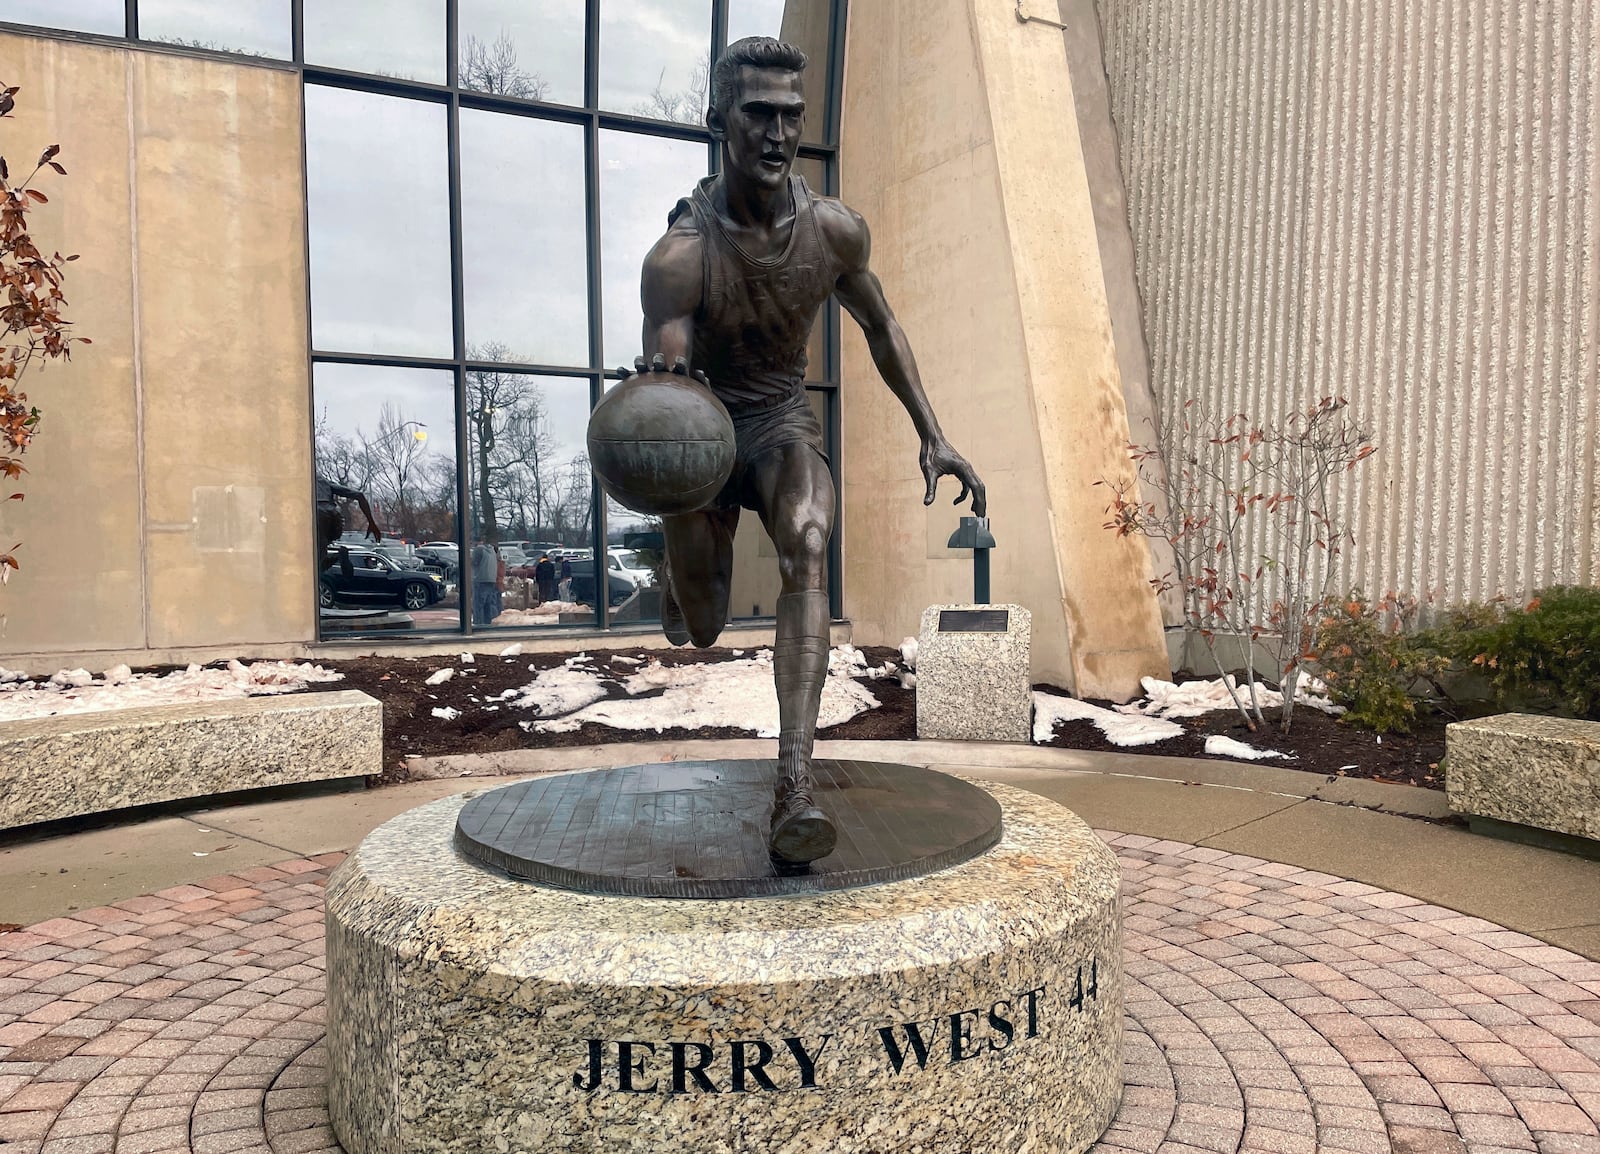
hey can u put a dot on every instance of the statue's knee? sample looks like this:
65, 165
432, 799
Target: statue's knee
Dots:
804, 563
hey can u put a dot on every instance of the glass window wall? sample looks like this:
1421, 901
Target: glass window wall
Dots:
476, 227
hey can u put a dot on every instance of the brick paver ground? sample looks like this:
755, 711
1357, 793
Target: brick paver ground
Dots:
1270, 1009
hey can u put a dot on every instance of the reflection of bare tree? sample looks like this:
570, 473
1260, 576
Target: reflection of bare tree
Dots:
208, 45
395, 455
687, 105
521, 484
493, 68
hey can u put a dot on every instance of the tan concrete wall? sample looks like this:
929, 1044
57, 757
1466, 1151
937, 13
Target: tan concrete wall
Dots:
986, 245
1397, 201
169, 499
82, 578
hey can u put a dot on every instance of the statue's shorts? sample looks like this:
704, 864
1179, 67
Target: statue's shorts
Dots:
757, 431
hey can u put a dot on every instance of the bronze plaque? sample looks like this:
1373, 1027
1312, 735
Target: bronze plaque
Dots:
974, 621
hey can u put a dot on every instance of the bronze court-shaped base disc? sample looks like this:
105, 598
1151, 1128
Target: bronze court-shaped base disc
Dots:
698, 829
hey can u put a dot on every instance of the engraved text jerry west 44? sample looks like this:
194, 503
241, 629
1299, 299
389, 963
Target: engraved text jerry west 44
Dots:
745, 1066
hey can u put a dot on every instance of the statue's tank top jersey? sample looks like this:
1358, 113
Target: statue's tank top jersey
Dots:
755, 315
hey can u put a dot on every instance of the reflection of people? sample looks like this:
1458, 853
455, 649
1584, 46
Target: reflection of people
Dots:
486, 578
545, 574
731, 291
330, 518
564, 592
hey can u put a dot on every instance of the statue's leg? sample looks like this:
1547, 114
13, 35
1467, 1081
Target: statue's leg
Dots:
699, 574
795, 492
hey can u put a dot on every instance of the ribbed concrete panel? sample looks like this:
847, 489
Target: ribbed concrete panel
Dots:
1396, 201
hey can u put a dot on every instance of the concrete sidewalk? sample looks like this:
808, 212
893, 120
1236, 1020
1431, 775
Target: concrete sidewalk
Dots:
1359, 830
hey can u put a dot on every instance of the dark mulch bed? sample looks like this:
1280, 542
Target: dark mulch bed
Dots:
410, 729
1321, 744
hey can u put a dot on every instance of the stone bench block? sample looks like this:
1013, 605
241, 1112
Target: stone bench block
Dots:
1528, 770
82, 763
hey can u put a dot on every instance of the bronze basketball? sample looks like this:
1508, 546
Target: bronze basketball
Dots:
661, 443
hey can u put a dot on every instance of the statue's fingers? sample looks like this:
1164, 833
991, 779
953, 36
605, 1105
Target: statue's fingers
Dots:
680, 365
961, 496
640, 366
658, 363
932, 476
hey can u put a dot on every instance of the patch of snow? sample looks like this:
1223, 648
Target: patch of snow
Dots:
440, 677
735, 694
1219, 746
76, 691
468, 658
631, 660
1119, 728
908, 652
446, 712
511, 650
1193, 698
10, 675
558, 691
908, 680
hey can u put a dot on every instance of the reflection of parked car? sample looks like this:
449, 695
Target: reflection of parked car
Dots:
619, 587
374, 579
626, 563
442, 561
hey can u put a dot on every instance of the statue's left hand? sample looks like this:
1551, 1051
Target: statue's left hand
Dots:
938, 459
658, 364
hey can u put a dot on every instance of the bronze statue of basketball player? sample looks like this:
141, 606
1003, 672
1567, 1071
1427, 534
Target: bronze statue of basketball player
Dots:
731, 292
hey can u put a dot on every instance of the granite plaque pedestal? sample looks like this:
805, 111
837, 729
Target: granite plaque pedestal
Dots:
978, 1007
973, 664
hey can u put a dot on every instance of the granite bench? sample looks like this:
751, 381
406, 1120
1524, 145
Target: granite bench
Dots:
1518, 774
83, 763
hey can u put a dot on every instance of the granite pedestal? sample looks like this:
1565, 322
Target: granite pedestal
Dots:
978, 1007
973, 673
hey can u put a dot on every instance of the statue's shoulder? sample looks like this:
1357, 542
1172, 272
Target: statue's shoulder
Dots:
843, 229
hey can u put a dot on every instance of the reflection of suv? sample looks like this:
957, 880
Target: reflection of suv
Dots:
618, 587
627, 564
374, 579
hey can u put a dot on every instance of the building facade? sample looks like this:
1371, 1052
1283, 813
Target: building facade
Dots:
396, 246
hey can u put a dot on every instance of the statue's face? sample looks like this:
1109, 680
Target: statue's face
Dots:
762, 125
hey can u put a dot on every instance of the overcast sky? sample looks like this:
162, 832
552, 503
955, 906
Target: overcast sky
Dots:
348, 400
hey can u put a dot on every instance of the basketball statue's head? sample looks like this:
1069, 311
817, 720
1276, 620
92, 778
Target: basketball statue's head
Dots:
758, 109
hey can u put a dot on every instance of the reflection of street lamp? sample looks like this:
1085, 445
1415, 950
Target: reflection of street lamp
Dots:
419, 434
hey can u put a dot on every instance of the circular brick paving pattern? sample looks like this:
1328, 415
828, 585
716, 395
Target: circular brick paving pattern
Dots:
1269, 1009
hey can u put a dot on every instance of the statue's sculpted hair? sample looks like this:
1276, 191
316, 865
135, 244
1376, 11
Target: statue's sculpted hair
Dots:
752, 52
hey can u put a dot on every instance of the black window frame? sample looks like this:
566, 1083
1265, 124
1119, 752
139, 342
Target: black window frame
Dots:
593, 119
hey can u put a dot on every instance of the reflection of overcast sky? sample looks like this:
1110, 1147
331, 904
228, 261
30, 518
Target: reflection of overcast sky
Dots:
350, 399
523, 237
645, 44
403, 38
380, 223
754, 18
261, 26
641, 178
107, 17
548, 35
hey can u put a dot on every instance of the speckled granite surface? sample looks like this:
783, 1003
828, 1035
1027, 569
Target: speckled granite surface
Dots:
979, 1008
975, 686
55, 767
1538, 771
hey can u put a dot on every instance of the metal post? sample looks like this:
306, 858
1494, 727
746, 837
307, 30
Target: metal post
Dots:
974, 534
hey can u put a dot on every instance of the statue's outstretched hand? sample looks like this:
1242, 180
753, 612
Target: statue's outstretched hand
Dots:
658, 364
938, 459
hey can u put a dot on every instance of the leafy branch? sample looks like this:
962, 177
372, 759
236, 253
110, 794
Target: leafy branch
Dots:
32, 326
